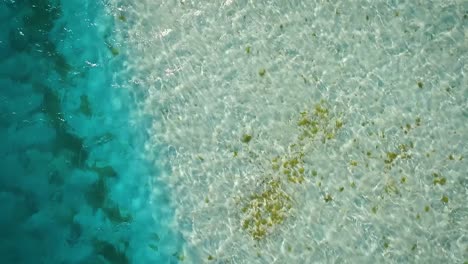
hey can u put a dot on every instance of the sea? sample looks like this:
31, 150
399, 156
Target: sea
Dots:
233, 131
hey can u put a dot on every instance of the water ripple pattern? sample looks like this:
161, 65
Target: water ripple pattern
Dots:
307, 131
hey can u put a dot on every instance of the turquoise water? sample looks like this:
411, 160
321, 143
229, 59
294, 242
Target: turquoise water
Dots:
74, 184
233, 131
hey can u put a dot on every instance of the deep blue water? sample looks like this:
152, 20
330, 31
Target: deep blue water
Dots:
74, 187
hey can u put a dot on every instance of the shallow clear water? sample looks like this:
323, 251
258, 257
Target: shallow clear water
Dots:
233, 132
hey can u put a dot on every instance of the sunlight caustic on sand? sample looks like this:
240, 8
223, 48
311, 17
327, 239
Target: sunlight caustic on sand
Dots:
307, 132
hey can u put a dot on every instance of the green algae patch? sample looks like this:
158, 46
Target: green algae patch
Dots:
246, 138
391, 156
265, 209
386, 244
269, 205
402, 153
122, 17
418, 121
444, 199
292, 168
338, 124
179, 256
440, 181
403, 179
113, 50
262, 72
391, 188
319, 122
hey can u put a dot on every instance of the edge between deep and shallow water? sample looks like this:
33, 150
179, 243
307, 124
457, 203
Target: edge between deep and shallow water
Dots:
73, 166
